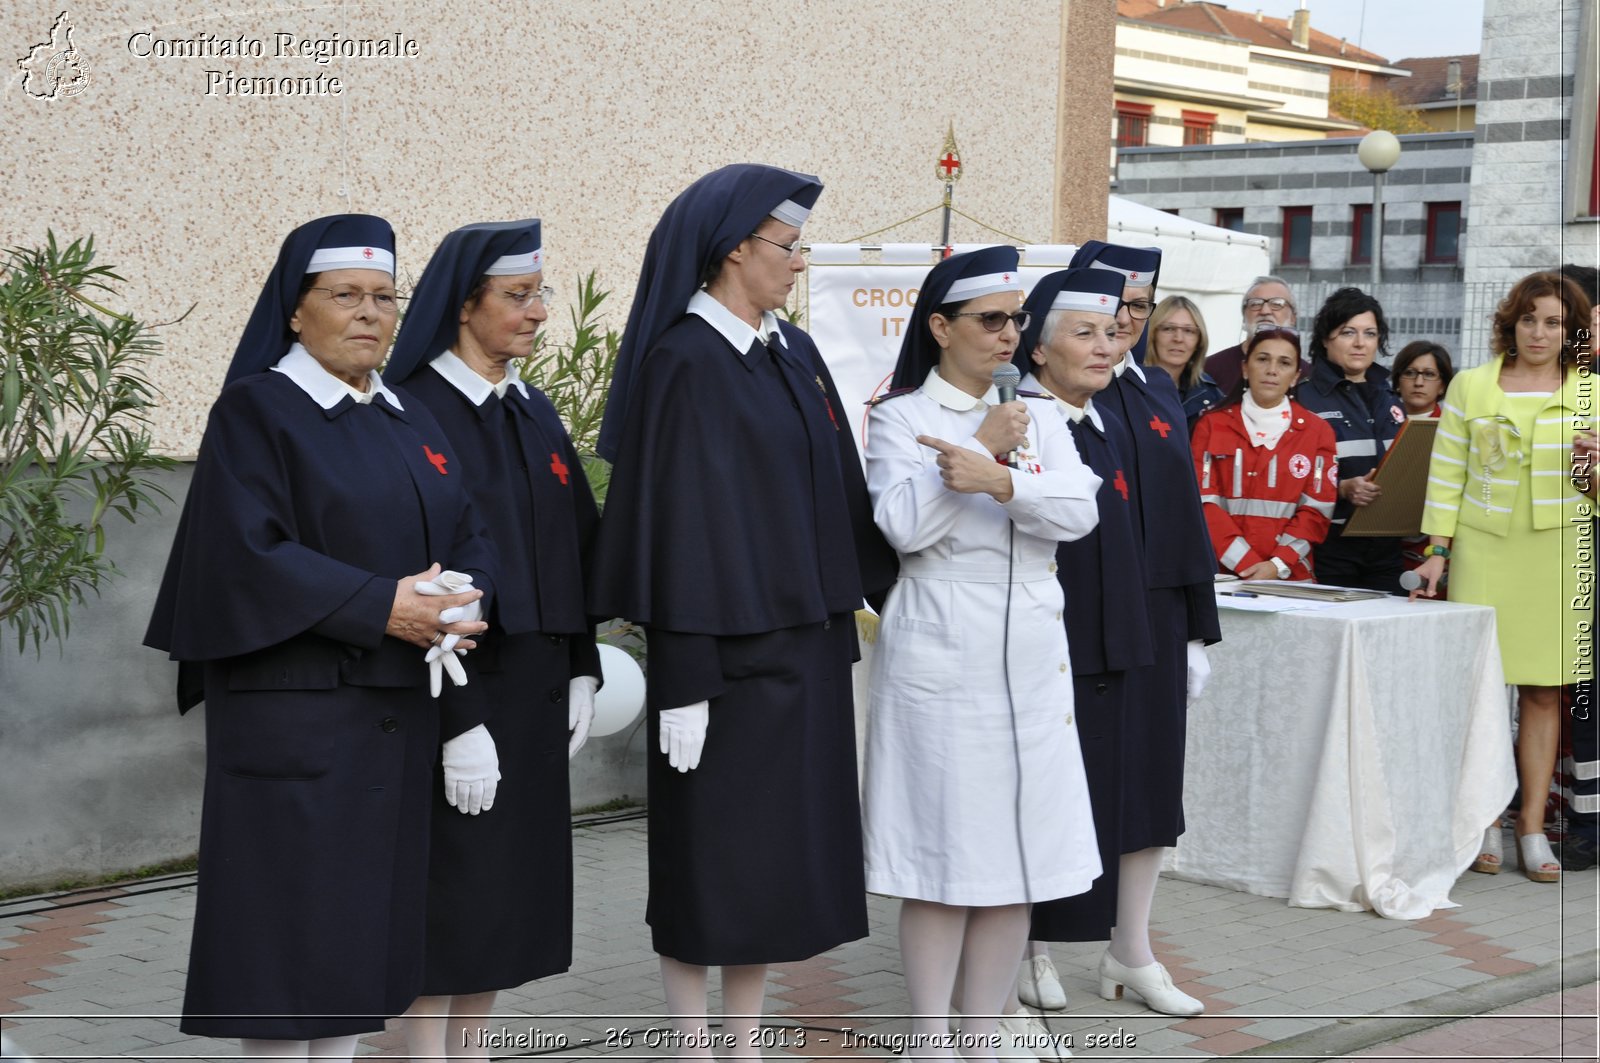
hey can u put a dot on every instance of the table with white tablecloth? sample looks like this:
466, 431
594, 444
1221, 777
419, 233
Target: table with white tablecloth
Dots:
1347, 757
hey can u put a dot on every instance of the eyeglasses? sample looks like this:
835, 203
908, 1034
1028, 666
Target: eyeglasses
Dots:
1419, 374
525, 297
1188, 332
995, 320
789, 248
350, 298
1273, 304
1139, 308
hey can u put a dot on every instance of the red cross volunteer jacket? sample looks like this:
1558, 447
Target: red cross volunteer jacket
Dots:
1262, 502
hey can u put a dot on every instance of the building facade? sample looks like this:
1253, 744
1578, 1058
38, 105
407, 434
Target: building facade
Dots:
1314, 202
1202, 73
1534, 197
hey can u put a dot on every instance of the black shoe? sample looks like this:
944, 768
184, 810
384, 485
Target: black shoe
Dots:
1577, 853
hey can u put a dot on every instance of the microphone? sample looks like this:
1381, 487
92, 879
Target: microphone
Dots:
1006, 379
1410, 581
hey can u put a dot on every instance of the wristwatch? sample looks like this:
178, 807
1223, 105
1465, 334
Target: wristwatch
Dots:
1283, 569
1437, 551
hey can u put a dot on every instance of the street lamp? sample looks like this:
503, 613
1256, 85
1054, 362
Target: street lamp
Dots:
1379, 151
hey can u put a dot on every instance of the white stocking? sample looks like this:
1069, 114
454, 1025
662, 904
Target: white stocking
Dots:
424, 1024
930, 948
469, 1014
744, 991
685, 985
1137, 875
990, 952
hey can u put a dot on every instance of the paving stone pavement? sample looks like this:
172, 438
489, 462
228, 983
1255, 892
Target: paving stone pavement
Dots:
1510, 974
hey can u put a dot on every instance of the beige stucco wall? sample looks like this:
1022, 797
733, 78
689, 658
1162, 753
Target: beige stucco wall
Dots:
590, 115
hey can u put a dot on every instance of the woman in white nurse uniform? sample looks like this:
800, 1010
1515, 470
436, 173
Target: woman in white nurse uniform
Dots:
974, 802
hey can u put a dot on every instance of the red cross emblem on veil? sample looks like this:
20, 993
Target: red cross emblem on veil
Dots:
366, 252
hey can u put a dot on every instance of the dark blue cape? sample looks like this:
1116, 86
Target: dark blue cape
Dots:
527, 485
712, 516
298, 523
1108, 626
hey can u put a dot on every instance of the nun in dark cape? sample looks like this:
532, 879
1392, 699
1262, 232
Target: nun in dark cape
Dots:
1146, 427
319, 500
737, 532
500, 884
1102, 575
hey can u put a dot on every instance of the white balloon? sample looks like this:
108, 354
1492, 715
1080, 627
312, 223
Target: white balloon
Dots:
620, 700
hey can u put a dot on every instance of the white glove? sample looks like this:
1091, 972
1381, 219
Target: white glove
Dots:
471, 771
580, 711
1199, 668
444, 657
683, 734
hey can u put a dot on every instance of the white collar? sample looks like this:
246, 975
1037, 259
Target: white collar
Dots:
465, 379
1074, 414
733, 329
1128, 363
325, 389
951, 397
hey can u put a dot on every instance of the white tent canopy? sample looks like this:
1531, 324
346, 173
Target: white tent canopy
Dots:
1210, 265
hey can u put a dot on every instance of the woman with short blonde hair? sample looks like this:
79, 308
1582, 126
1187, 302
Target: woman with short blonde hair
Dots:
1178, 344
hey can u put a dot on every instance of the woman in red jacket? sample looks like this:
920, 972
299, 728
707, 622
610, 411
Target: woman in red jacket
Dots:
1268, 475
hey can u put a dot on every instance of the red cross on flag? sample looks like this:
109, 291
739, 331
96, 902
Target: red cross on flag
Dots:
948, 168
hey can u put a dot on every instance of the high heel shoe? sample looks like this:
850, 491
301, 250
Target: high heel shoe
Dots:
1488, 861
1537, 859
1151, 982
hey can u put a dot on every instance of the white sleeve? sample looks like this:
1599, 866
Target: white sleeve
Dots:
1058, 503
910, 502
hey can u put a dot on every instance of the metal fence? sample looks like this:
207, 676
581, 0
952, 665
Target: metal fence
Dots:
1454, 315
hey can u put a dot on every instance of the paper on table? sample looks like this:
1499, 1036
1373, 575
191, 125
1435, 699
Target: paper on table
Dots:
1267, 603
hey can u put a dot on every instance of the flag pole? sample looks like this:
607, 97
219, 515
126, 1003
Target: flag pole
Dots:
948, 170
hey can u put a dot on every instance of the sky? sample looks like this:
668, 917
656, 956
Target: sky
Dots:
1395, 29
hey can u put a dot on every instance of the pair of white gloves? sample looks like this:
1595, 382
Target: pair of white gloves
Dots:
683, 730
443, 656
471, 762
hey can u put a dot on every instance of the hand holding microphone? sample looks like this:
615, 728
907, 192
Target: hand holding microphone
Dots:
1005, 427
1423, 581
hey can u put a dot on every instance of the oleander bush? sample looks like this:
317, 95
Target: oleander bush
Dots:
75, 442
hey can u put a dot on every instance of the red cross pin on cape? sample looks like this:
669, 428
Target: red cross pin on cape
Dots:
436, 460
559, 468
